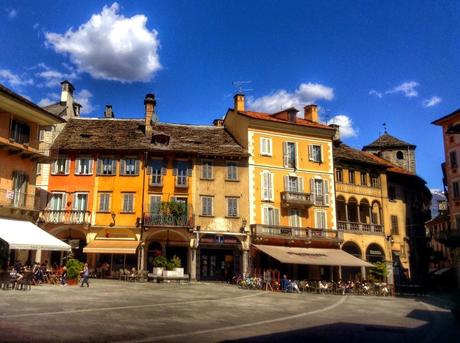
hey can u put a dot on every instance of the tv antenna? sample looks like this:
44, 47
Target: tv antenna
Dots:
239, 86
385, 127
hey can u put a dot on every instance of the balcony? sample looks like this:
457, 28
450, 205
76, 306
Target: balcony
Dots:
260, 231
169, 214
355, 227
23, 146
67, 216
296, 199
18, 200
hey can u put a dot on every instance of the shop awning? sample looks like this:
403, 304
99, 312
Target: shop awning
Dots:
111, 246
313, 256
24, 235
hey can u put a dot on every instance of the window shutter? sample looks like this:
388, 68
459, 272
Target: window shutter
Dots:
90, 166
189, 171
77, 166
262, 145
114, 167
286, 182
312, 190
99, 166
300, 181
163, 171
149, 170
326, 192
320, 153
276, 214
269, 146
64, 202
264, 186
271, 186
175, 171
296, 155
136, 167
285, 154
310, 152
122, 167
54, 167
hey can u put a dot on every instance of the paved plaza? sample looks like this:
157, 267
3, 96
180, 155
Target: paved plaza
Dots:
114, 311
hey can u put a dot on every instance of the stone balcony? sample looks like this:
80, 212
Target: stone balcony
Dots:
296, 199
66, 216
355, 227
260, 231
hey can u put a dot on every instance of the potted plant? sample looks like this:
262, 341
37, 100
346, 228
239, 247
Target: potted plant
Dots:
177, 265
169, 269
159, 263
74, 267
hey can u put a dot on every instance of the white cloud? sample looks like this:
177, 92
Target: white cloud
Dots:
51, 98
52, 77
406, 88
376, 93
112, 47
345, 125
14, 80
83, 97
306, 93
12, 13
433, 101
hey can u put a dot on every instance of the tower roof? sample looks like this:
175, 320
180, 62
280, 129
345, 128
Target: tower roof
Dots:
388, 141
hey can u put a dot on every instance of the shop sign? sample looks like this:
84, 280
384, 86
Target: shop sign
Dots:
218, 239
375, 252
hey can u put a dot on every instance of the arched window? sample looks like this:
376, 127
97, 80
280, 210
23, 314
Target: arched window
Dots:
374, 253
352, 248
399, 155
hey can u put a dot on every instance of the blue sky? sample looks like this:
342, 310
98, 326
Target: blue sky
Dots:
363, 63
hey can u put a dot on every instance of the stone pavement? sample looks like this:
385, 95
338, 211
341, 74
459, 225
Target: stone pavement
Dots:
115, 311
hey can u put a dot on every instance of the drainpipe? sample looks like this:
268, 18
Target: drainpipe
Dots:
141, 255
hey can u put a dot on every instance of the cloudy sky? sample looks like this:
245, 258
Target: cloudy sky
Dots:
363, 64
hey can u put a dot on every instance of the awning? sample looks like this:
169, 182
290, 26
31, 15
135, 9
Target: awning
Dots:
24, 235
111, 246
313, 256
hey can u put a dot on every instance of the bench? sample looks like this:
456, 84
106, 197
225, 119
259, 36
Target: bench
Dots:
177, 279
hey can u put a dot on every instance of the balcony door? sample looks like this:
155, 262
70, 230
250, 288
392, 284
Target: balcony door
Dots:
80, 206
56, 207
20, 181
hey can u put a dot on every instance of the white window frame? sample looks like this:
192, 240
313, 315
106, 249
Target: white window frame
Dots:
237, 207
154, 196
207, 170
109, 202
324, 214
323, 191
124, 166
312, 156
287, 181
232, 165
275, 215
267, 186
295, 217
133, 209
202, 207
266, 146
38, 168
64, 201
78, 165
58, 168
41, 135
287, 157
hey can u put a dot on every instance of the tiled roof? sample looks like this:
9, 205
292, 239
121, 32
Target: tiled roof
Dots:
391, 167
128, 134
269, 117
57, 109
343, 152
387, 141
438, 121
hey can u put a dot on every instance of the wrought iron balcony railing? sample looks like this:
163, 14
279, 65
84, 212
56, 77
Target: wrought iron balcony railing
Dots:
19, 200
169, 214
360, 227
67, 216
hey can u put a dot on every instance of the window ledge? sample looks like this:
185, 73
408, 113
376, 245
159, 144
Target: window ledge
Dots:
230, 180
104, 212
232, 217
129, 174
206, 179
207, 215
106, 174
129, 212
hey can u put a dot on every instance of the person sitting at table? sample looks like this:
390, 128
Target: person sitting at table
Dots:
323, 286
284, 283
341, 287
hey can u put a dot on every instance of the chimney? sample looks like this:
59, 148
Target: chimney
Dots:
150, 116
67, 98
108, 113
336, 137
311, 113
218, 122
239, 102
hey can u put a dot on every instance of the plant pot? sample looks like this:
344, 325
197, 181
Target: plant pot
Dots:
179, 271
72, 282
157, 271
169, 273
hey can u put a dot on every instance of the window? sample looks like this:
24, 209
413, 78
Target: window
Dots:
57, 201
206, 206
320, 220
157, 170
39, 169
295, 219
375, 181
293, 184
394, 225
270, 216
391, 193
20, 184
351, 177
83, 166
453, 159
319, 190
61, 166
206, 170
363, 178
232, 171
289, 154
456, 190
106, 166
267, 186
128, 202
154, 204
20, 133
339, 174
104, 202
265, 146
129, 166
400, 155
182, 170
232, 207
41, 135
315, 153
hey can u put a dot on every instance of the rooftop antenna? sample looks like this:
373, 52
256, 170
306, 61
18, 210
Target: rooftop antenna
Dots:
239, 86
385, 127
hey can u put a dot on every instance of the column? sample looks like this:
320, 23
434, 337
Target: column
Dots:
192, 263
38, 256
340, 272
142, 257
363, 273
245, 263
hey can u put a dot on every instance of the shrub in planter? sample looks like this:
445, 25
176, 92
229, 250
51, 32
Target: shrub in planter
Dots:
170, 265
160, 262
74, 267
176, 261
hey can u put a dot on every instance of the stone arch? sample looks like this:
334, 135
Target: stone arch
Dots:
399, 155
375, 253
376, 213
352, 207
341, 208
364, 211
352, 248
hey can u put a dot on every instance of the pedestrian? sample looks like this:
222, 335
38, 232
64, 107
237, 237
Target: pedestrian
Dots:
85, 276
64, 276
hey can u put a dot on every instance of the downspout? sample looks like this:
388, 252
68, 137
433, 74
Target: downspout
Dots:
141, 255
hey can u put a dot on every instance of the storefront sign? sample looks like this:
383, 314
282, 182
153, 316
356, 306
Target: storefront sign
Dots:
218, 239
